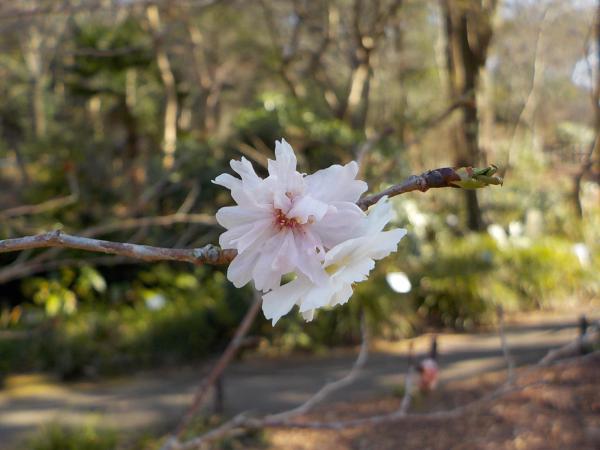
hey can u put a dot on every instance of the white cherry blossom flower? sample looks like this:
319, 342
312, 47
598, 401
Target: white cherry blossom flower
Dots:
285, 222
348, 262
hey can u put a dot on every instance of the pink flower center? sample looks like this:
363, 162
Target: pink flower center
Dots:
282, 221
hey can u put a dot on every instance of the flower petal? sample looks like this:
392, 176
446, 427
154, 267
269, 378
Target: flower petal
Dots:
379, 215
282, 171
228, 181
342, 295
336, 183
231, 216
240, 269
246, 172
317, 297
308, 315
305, 207
281, 300
343, 221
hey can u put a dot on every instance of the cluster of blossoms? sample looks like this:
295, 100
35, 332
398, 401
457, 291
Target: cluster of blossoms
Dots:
305, 225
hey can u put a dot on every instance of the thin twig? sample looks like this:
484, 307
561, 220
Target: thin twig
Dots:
399, 415
591, 337
217, 370
408, 391
332, 386
228, 427
510, 362
48, 205
437, 178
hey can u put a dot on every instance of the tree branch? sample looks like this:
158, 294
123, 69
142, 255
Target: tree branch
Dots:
209, 254
437, 178
510, 362
217, 370
332, 386
243, 422
48, 205
466, 177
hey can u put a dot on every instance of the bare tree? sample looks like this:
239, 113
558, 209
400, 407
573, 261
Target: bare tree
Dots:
468, 32
593, 150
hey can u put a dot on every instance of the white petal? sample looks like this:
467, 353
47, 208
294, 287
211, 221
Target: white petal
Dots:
356, 271
305, 207
240, 269
385, 242
246, 172
281, 201
336, 183
228, 239
231, 216
284, 154
343, 221
286, 256
308, 315
281, 300
379, 215
308, 261
255, 233
265, 275
345, 252
342, 295
228, 181
285, 160
317, 297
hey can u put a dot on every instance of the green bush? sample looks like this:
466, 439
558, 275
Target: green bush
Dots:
462, 280
57, 437
164, 317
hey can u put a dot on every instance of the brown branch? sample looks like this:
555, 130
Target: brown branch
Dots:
332, 386
208, 254
437, 178
140, 222
48, 205
41, 263
216, 372
242, 422
211, 254
229, 427
589, 339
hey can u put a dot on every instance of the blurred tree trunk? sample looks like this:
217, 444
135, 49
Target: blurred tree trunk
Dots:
166, 73
32, 53
355, 105
468, 31
594, 149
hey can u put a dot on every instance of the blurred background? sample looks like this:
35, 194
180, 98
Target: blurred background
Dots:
117, 114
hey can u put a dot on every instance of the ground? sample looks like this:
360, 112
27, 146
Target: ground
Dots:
562, 414
153, 402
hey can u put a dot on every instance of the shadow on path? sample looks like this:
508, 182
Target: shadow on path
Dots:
156, 400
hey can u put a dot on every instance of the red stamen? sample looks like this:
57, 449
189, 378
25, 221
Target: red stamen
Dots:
282, 221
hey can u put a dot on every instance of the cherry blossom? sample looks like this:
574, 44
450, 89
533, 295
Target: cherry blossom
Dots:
346, 263
286, 222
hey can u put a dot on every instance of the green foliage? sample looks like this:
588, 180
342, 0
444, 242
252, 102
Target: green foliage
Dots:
60, 294
103, 101
57, 437
170, 317
460, 281
275, 115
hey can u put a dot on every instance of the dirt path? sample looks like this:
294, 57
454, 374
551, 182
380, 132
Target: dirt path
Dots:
155, 400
